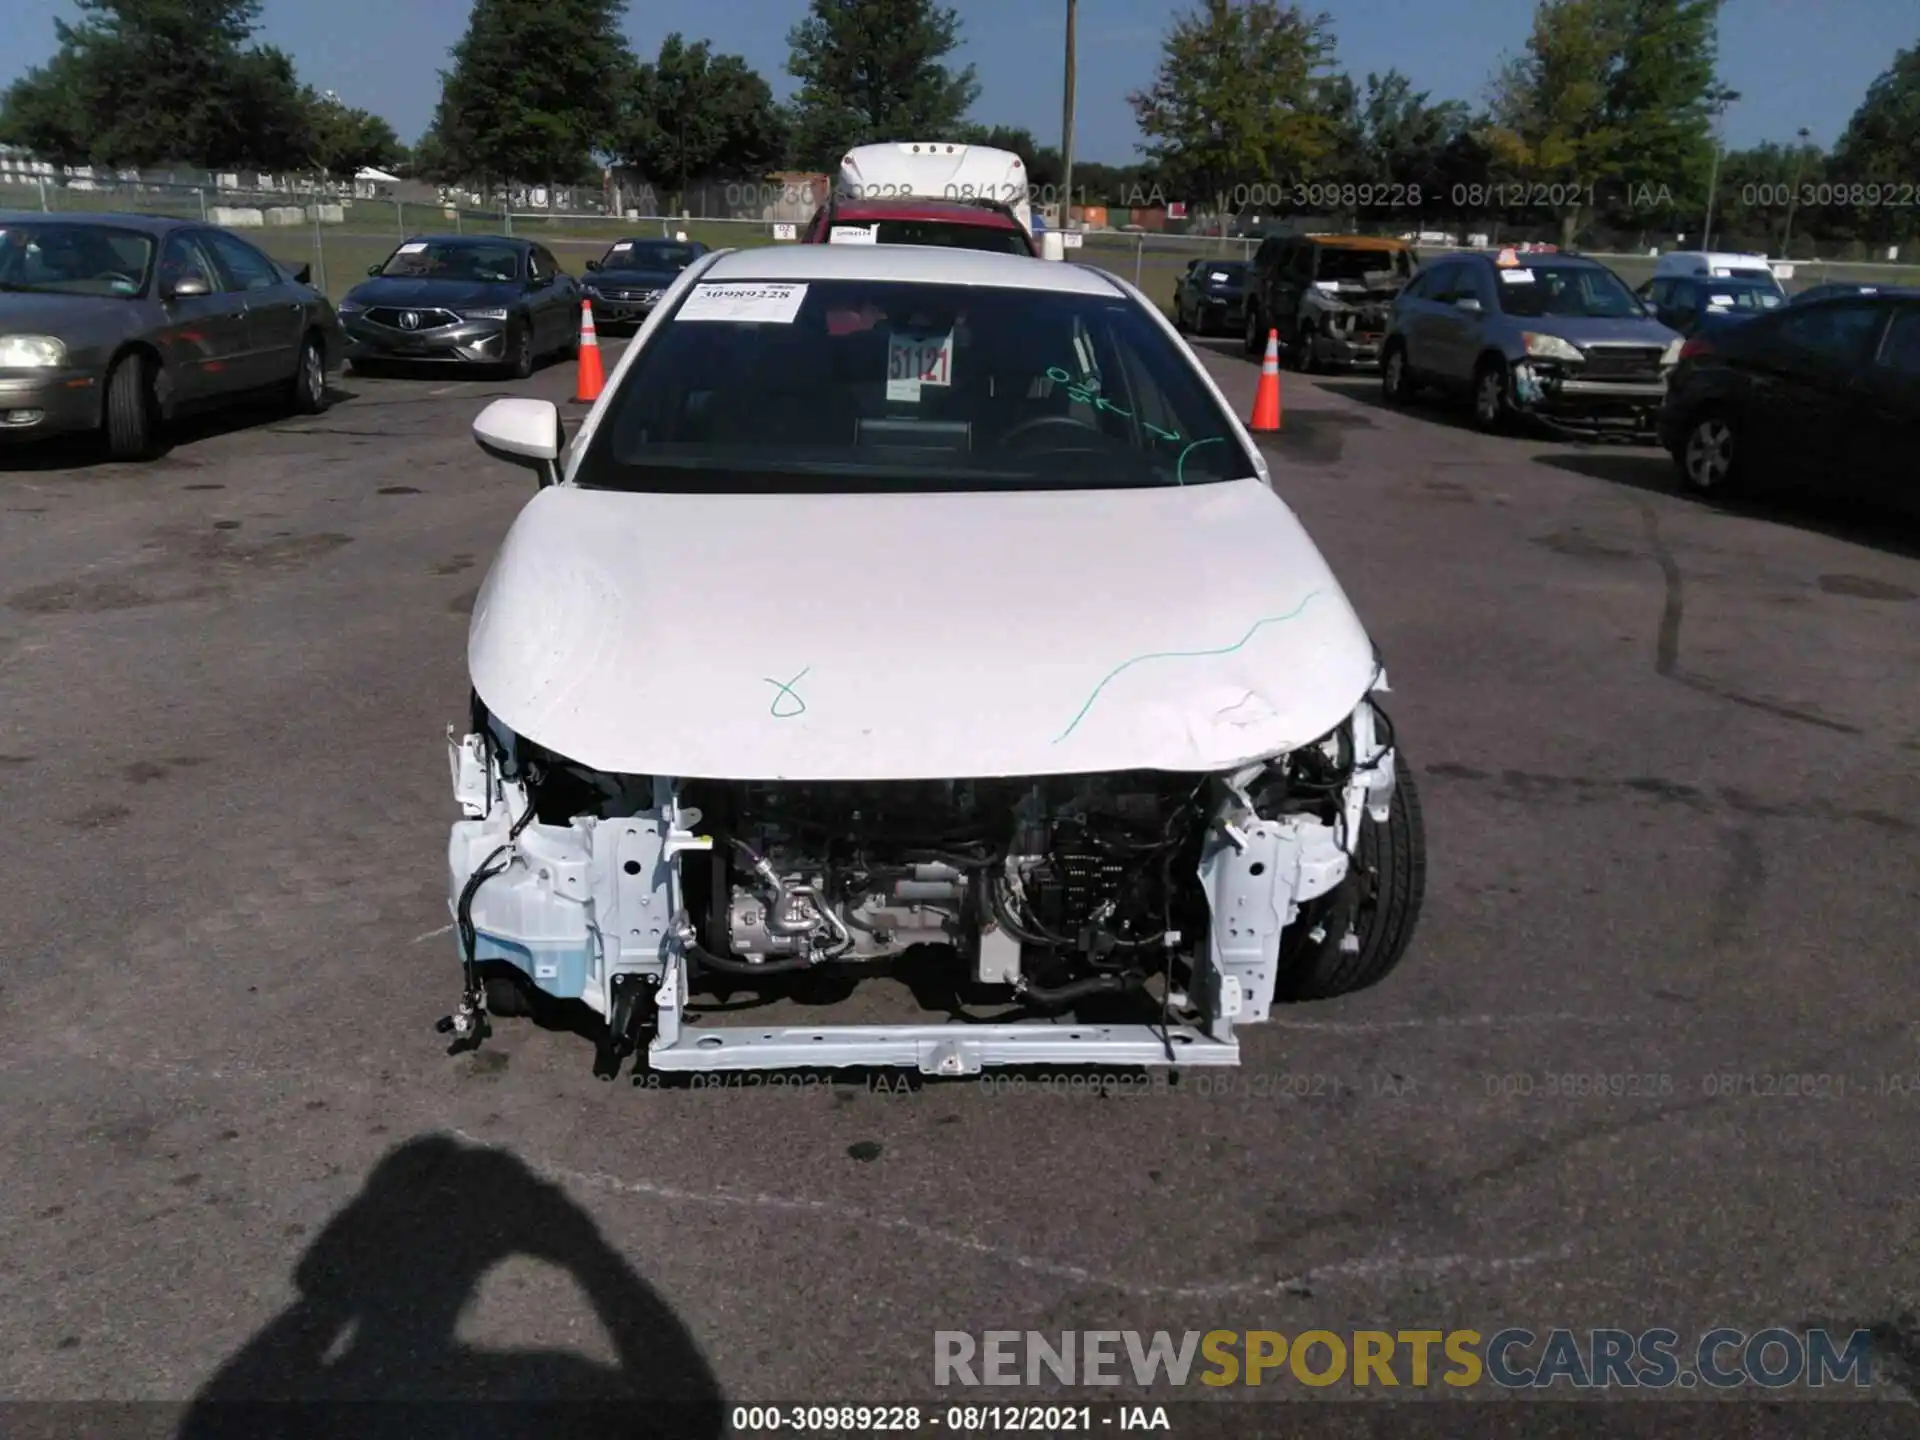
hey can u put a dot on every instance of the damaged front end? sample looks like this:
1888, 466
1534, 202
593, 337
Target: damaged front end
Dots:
1347, 320
1131, 919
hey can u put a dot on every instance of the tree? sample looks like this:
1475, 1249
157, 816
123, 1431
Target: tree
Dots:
873, 70
1613, 99
343, 140
147, 82
1881, 146
534, 92
1241, 99
1392, 143
690, 115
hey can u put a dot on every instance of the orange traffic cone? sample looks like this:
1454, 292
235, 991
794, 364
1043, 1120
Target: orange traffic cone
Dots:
593, 378
1266, 400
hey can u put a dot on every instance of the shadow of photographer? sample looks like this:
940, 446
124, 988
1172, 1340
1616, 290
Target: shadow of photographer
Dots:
371, 1347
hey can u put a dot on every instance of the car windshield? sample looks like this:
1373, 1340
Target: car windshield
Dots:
946, 234
866, 386
1569, 291
649, 255
1746, 296
471, 260
1362, 265
65, 258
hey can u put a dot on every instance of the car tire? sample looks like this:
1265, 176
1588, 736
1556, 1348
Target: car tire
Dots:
1255, 339
1397, 385
1492, 396
1356, 939
1709, 457
308, 390
1179, 318
519, 363
1300, 350
132, 423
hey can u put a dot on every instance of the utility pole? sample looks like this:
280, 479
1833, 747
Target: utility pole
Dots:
1719, 100
1793, 192
1066, 128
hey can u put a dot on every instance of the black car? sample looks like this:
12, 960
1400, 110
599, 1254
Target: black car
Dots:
628, 281
1211, 297
479, 299
1832, 288
1826, 392
1683, 303
116, 323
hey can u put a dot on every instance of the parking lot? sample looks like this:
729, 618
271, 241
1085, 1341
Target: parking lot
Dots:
1671, 769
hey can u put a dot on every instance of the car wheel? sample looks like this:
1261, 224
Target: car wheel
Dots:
1354, 941
1396, 377
309, 395
520, 351
1709, 455
1300, 351
1179, 317
1491, 407
131, 419
1255, 339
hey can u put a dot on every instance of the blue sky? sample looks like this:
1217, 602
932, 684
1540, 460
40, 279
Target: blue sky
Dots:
1797, 62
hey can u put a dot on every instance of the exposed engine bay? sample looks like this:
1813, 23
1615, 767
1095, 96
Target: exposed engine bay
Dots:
1183, 896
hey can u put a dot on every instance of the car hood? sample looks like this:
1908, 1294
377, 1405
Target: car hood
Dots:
453, 294
924, 636
638, 279
1590, 330
78, 320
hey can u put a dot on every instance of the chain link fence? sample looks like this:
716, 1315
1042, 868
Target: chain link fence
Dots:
341, 227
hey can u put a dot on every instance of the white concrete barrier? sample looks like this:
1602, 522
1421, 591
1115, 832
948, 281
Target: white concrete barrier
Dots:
236, 217
328, 214
286, 215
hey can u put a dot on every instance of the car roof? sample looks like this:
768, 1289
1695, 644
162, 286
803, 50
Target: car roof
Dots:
908, 208
513, 240
655, 240
1522, 260
915, 264
144, 224
1356, 242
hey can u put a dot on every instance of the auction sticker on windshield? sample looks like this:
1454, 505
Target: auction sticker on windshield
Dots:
916, 358
744, 302
412, 248
854, 235
1517, 277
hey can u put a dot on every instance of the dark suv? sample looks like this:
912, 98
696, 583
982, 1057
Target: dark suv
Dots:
1327, 295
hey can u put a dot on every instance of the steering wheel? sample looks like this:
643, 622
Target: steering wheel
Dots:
1042, 422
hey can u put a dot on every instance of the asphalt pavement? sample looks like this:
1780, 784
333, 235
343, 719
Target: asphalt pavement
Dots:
1670, 761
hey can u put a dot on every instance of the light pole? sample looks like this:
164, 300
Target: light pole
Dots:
1793, 192
1066, 128
1719, 100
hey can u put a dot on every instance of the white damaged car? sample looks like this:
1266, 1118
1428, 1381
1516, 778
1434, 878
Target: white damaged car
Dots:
903, 613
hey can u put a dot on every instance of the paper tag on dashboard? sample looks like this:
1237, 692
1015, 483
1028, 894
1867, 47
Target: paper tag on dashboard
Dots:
915, 359
854, 235
1517, 277
745, 303
412, 249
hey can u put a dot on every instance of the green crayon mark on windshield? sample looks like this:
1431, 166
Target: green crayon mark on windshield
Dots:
1117, 670
787, 694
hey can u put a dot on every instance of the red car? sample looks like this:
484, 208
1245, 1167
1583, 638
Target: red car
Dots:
953, 224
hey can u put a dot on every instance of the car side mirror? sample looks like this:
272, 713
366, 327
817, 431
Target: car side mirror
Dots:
304, 275
187, 286
1468, 304
593, 264
522, 431
373, 269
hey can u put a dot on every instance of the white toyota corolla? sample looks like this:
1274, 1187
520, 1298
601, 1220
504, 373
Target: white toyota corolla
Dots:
911, 610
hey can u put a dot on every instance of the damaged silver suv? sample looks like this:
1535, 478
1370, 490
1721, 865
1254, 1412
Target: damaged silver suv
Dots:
916, 629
